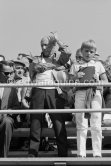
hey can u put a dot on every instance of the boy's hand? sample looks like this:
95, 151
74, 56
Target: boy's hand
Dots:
80, 74
96, 78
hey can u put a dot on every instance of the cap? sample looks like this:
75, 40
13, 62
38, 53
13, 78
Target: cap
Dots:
2, 58
96, 54
25, 61
19, 62
5, 68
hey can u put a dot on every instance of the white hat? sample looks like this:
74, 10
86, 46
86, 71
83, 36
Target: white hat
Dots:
16, 61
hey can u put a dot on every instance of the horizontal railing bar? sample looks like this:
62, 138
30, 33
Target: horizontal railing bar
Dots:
56, 85
104, 110
50, 161
71, 151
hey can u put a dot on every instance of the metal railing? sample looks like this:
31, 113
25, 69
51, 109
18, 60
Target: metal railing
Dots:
56, 160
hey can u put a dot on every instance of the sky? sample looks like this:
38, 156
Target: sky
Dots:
24, 22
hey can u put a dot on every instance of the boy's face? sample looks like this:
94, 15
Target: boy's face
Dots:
88, 53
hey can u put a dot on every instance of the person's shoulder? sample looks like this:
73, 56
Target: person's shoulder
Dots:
99, 63
96, 62
25, 79
22, 80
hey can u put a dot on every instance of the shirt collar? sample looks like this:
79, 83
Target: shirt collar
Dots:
91, 62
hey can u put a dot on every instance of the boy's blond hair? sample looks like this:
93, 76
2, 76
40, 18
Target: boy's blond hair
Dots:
90, 44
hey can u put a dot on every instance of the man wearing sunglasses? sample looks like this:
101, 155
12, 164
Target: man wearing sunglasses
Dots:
8, 100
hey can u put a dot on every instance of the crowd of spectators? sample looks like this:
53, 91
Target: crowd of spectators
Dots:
55, 64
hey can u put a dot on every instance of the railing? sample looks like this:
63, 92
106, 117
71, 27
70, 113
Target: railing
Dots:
56, 160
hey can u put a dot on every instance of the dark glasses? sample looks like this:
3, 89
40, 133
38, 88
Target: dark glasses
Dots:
18, 68
7, 73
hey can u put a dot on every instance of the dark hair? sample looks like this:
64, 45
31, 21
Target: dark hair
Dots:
4, 63
3, 57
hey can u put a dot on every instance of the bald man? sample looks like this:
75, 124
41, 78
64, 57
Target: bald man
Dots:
41, 71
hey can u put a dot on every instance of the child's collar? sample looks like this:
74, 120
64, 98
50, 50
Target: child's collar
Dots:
91, 61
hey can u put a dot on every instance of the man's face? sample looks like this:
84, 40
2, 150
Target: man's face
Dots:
109, 61
6, 75
46, 48
88, 53
19, 70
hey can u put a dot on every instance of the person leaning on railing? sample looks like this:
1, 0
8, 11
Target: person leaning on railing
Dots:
87, 97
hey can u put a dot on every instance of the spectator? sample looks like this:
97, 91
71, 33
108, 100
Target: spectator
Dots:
8, 100
96, 56
19, 78
2, 58
45, 97
107, 92
20, 68
79, 56
88, 98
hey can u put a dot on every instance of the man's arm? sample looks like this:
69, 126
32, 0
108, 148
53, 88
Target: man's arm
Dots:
14, 103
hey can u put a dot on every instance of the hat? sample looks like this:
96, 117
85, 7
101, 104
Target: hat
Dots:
5, 68
2, 58
19, 62
96, 54
25, 61
30, 58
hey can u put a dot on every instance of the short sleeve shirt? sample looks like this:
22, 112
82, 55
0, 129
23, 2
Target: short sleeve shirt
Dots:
99, 68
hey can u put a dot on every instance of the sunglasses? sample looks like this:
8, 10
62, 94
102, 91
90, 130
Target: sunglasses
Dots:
18, 68
8, 73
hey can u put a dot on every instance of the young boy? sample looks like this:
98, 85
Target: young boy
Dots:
88, 50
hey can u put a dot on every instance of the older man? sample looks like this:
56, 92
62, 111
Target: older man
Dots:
41, 71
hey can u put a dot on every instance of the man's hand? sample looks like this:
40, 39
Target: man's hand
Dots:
55, 35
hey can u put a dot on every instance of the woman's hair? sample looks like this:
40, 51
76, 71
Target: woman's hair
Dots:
90, 44
5, 66
79, 56
2, 58
78, 52
108, 60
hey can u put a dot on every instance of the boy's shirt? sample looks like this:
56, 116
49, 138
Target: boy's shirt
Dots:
99, 68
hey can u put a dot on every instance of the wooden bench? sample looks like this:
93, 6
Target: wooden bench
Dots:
49, 132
